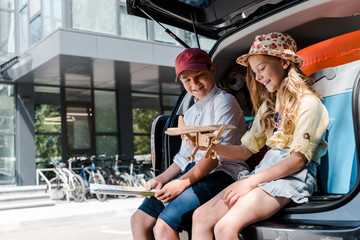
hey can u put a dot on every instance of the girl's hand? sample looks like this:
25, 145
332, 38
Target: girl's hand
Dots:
186, 139
170, 191
238, 189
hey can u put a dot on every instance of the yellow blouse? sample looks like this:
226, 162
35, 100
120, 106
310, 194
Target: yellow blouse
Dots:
311, 121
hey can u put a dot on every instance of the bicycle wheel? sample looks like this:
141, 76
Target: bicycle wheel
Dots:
58, 192
139, 180
77, 187
98, 179
123, 180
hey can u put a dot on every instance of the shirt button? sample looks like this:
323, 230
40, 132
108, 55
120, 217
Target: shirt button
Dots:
198, 114
306, 136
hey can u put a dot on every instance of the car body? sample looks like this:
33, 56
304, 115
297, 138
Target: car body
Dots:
334, 211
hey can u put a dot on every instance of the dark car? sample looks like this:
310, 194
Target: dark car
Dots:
327, 33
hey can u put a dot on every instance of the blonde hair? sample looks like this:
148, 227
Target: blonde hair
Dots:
294, 86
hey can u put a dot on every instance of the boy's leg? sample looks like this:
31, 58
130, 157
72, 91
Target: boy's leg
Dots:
164, 231
144, 218
255, 206
142, 225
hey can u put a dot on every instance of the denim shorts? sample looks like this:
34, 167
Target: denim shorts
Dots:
177, 213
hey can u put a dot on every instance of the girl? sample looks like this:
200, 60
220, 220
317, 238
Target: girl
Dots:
291, 120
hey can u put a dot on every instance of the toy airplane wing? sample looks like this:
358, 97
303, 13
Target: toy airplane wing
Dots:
195, 129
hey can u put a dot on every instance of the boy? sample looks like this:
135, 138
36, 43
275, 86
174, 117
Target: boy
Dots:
183, 187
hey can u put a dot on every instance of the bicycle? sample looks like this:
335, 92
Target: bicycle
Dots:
111, 174
92, 175
67, 182
133, 176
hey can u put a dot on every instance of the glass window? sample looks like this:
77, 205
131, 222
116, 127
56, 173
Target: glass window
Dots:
94, 15
79, 120
47, 118
142, 144
77, 80
47, 125
105, 112
198, 3
7, 134
104, 74
205, 43
21, 3
47, 95
144, 78
143, 118
7, 30
78, 95
145, 100
47, 147
34, 8
7, 4
35, 30
7, 109
128, 23
146, 107
107, 145
24, 33
7, 159
51, 15
169, 102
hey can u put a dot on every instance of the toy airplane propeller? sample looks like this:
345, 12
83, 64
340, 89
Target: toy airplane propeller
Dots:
200, 136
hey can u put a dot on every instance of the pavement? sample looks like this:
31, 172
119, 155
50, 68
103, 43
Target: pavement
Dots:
64, 212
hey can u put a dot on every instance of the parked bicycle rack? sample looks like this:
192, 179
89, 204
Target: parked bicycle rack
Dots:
41, 176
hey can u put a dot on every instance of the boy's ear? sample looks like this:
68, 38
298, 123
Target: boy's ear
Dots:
285, 63
213, 70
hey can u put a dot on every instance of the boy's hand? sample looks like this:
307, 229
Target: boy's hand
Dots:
153, 183
170, 191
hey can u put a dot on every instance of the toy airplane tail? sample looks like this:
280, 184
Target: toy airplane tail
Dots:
181, 122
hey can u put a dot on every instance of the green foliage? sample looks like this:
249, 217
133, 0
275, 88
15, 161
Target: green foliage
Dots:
142, 121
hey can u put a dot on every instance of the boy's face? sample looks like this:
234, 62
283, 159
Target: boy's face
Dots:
198, 82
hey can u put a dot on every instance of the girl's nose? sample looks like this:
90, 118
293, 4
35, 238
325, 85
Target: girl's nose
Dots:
258, 76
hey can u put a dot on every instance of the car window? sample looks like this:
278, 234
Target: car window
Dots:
199, 3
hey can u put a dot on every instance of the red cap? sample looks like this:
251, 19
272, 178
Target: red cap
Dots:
191, 59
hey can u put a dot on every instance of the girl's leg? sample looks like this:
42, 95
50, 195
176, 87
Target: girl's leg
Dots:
164, 231
142, 225
255, 206
206, 216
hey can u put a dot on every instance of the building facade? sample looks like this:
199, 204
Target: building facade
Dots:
80, 77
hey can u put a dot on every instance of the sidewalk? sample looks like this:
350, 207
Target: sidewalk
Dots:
64, 212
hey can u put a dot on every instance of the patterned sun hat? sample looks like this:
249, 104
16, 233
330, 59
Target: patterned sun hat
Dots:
274, 44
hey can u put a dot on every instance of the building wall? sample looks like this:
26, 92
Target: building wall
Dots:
62, 42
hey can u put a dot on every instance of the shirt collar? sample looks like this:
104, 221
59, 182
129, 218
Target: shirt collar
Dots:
204, 100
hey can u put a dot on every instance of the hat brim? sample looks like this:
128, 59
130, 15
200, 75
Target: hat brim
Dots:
243, 59
191, 66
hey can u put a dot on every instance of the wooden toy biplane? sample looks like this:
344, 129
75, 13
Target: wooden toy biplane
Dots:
200, 136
